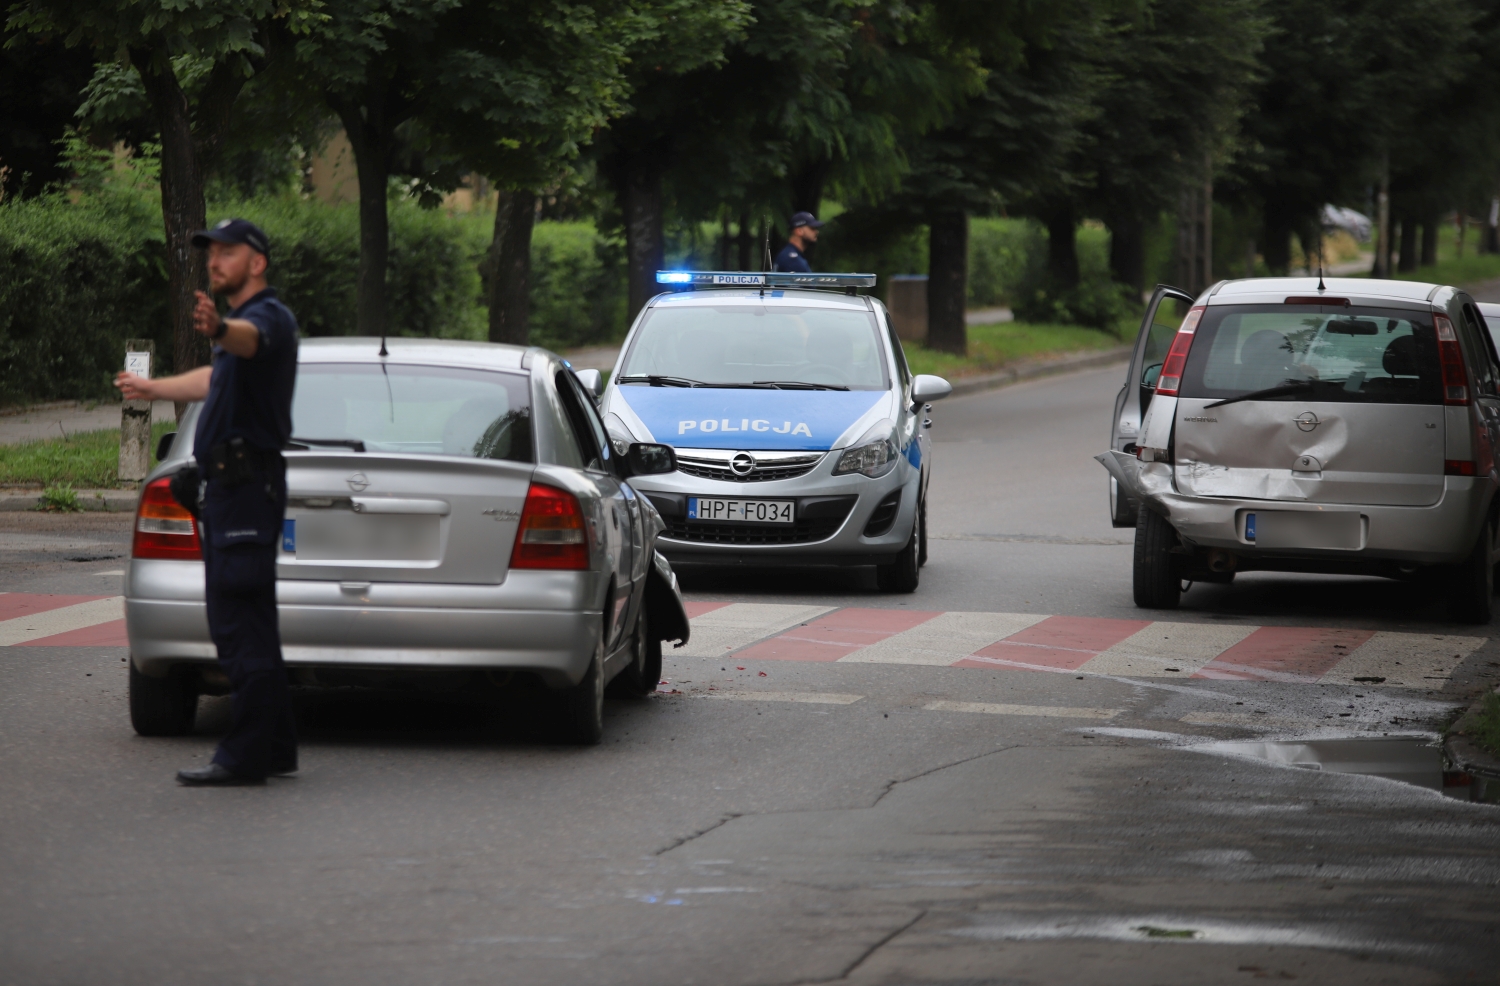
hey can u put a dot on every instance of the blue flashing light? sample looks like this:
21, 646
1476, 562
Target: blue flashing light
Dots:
740, 279
673, 277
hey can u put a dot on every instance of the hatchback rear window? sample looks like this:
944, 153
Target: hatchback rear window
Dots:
1315, 353
426, 410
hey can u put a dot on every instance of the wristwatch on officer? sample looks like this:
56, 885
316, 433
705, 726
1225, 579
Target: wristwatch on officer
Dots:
219, 332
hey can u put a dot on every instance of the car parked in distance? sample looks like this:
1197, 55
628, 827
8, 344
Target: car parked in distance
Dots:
456, 515
798, 427
1303, 425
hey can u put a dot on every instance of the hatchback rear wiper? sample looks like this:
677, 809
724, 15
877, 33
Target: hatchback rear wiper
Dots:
797, 385
657, 380
303, 444
1276, 391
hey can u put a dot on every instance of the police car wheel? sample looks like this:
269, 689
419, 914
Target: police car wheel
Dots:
1155, 579
906, 571
162, 706
640, 678
583, 705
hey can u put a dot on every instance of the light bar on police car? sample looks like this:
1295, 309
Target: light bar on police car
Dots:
770, 279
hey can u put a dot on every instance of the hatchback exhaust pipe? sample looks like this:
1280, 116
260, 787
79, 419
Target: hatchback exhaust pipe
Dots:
1220, 560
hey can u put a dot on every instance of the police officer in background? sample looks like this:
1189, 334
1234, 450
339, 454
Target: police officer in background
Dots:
245, 421
793, 257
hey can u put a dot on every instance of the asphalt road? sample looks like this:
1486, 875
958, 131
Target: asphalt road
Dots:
773, 821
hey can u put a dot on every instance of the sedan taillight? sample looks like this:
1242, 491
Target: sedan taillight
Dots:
552, 533
163, 527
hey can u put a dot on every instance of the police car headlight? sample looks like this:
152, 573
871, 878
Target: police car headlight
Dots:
871, 458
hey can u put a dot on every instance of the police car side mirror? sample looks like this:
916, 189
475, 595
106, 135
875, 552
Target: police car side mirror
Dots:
926, 387
648, 459
592, 381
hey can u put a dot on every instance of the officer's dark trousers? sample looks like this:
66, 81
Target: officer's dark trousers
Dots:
240, 584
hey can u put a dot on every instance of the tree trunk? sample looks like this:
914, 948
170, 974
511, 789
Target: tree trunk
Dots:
1408, 260
182, 208
807, 186
641, 205
948, 282
1062, 247
508, 268
743, 241
370, 141
1430, 228
1127, 253
1278, 242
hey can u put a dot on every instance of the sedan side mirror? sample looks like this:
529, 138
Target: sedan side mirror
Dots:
164, 445
926, 387
592, 381
648, 459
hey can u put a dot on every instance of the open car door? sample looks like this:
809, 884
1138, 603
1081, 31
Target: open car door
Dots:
1168, 307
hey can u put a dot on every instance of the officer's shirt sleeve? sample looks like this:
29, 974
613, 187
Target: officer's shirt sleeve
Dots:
276, 332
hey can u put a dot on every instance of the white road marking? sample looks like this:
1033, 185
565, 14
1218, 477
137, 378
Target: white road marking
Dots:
740, 624
944, 639
1410, 660
1054, 711
1252, 720
61, 620
1185, 647
811, 698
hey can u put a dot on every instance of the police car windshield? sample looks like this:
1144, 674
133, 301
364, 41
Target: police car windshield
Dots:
758, 346
426, 410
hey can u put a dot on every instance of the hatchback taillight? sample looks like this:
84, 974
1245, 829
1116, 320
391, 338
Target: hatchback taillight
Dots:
552, 533
1169, 381
1455, 377
163, 527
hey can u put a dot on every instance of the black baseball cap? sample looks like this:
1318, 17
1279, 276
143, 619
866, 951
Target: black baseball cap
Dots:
806, 219
235, 231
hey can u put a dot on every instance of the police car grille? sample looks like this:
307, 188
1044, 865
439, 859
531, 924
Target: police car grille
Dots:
760, 474
801, 532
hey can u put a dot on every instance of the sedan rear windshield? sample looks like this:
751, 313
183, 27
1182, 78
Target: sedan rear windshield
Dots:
1314, 353
757, 345
427, 410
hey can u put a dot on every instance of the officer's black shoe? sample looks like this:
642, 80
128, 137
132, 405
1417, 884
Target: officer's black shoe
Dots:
215, 775
286, 770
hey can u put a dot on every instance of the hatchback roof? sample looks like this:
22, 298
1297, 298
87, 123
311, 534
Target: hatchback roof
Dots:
366, 349
1275, 290
786, 297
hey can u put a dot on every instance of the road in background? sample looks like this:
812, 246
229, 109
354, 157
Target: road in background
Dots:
835, 786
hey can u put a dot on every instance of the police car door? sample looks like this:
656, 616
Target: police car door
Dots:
1158, 326
619, 533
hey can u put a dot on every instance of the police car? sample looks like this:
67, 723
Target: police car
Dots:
798, 427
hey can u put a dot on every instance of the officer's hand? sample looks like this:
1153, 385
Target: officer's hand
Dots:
134, 388
205, 315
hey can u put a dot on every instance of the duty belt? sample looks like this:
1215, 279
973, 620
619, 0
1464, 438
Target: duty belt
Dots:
234, 462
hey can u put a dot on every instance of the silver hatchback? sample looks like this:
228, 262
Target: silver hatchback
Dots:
1292, 424
456, 516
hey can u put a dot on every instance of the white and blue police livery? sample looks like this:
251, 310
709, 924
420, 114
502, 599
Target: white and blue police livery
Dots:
798, 427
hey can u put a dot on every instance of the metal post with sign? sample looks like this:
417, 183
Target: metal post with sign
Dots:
135, 416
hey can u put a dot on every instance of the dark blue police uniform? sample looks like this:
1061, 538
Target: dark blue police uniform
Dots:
245, 422
792, 261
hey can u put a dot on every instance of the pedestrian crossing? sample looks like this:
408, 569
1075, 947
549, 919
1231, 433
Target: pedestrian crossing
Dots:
1156, 649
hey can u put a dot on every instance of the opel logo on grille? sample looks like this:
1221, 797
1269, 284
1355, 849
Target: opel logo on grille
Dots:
743, 464
359, 482
1307, 421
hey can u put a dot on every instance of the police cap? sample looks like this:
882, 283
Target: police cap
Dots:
235, 231
806, 219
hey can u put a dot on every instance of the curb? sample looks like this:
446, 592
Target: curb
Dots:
93, 501
1467, 755
1039, 368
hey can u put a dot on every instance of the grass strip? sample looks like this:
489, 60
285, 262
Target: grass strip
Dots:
85, 460
1483, 726
994, 346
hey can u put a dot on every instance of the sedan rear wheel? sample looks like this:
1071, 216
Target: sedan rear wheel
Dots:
583, 704
1472, 581
1155, 576
906, 571
162, 706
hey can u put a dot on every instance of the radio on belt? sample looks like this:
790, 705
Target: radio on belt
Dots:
688, 279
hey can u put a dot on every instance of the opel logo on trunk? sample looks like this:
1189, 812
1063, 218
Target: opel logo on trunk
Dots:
743, 464
1307, 421
359, 482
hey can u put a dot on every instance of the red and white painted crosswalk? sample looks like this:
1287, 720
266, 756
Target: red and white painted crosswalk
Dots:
1007, 641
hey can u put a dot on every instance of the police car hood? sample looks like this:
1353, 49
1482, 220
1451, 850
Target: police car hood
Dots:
773, 420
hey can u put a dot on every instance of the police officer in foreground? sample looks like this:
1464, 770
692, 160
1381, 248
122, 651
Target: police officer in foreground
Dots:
793, 257
245, 421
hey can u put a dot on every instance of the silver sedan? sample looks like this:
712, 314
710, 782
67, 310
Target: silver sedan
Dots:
456, 516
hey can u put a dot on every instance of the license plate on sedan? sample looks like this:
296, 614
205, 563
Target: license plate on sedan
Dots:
712, 508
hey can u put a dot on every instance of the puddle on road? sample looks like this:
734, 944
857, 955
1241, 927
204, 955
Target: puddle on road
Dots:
1416, 760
